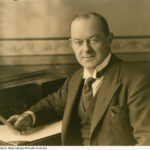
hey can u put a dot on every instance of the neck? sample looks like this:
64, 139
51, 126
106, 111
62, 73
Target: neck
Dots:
100, 66
90, 70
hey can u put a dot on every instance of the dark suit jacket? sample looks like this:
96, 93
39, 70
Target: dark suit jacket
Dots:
122, 111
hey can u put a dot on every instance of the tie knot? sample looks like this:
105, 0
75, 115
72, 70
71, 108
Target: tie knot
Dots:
89, 81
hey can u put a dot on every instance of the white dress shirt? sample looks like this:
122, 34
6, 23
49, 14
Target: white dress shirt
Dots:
97, 83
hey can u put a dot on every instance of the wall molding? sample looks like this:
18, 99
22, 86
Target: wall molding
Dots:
61, 46
64, 59
58, 51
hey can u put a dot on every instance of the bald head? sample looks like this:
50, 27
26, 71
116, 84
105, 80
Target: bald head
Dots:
99, 18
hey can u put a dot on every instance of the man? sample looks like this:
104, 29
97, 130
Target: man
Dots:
113, 109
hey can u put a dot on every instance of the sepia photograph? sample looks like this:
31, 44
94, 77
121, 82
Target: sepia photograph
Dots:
74, 73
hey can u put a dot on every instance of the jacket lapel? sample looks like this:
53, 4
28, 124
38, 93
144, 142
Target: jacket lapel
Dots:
106, 91
73, 92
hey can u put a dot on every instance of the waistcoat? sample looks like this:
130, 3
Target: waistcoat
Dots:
85, 119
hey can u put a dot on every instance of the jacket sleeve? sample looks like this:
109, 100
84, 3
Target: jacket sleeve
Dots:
51, 107
139, 109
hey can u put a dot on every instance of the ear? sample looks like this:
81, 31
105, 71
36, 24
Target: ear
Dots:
109, 39
70, 41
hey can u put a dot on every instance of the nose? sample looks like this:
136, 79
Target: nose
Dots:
86, 46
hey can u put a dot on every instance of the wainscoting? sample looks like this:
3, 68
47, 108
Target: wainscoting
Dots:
32, 68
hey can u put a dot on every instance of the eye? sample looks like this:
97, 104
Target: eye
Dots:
78, 42
94, 40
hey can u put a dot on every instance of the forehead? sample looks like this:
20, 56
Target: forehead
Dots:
86, 27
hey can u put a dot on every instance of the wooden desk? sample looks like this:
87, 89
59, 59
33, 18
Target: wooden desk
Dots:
19, 92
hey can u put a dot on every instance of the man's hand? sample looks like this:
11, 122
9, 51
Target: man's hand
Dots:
21, 122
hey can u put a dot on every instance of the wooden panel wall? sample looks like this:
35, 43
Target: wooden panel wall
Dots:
34, 34
44, 51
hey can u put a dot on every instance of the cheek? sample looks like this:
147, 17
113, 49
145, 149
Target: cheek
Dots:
101, 47
77, 54
100, 52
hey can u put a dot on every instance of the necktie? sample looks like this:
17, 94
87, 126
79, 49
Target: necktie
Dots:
87, 93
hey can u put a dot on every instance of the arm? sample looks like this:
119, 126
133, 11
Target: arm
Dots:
48, 109
51, 107
139, 109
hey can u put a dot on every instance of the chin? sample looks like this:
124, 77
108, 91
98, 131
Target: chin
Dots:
89, 66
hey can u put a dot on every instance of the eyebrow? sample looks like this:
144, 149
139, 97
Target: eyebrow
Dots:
95, 36
76, 39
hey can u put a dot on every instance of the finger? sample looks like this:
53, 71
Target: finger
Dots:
23, 122
13, 119
19, 124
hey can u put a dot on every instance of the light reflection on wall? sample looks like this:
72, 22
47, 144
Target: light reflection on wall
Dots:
51, 18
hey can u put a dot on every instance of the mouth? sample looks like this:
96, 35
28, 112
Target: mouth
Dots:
88, 57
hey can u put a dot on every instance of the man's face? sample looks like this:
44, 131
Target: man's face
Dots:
89, 42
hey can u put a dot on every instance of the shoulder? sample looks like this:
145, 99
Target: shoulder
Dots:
127, 68
128, 71
131, 73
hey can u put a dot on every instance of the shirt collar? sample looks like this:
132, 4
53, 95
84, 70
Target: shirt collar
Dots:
86, 73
